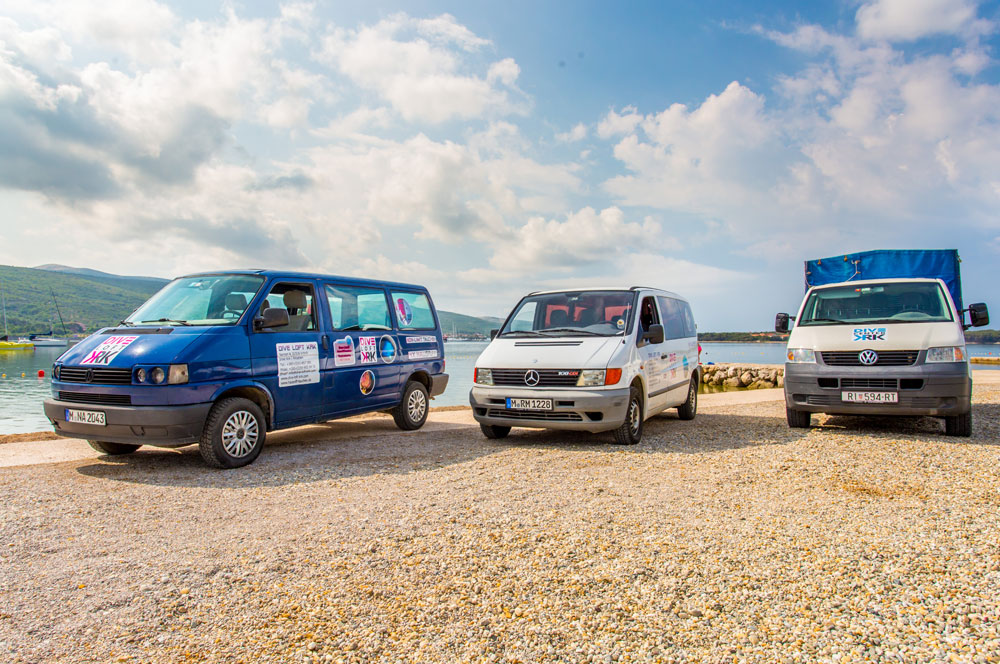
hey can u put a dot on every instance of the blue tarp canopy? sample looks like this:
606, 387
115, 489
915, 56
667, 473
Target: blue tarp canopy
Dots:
889, 264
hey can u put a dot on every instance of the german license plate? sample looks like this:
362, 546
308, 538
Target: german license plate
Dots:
85, 417
870, 397
529, 404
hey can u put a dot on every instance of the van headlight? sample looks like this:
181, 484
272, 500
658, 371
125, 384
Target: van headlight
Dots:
801, 355
946, 354
590, 378
483, 376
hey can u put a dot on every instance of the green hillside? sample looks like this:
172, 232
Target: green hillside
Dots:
90, 300
86, 302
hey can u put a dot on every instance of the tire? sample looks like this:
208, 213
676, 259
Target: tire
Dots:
798, 419
112, 449
411, 412
959, 425
494, 432
242, 423
630, 432
688, 409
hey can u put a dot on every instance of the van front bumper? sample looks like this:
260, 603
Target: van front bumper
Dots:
945, 389
160, 426
578, 409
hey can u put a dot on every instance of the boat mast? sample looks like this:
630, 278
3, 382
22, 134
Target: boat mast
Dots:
57, 310
4, 302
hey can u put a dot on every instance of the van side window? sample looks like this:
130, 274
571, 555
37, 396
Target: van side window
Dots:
413, 311
647, 313
298, 301
675, 318
690, 328
357, 308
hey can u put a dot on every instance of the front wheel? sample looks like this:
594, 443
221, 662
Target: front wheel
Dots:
114, 449
798, 419
688, 409
959, 425
493, 431
411, 412
630, 432
234, 433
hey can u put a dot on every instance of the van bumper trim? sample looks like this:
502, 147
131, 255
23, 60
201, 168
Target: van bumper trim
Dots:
160, 426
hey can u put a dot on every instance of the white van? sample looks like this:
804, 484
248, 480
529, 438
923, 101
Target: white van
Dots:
602, 359
880, 347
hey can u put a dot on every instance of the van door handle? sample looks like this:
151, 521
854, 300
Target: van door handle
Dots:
326, 342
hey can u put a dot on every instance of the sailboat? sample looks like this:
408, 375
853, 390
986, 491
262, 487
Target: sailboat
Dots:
46, 339
5, 344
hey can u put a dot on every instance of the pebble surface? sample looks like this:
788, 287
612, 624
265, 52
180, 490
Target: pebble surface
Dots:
730, 538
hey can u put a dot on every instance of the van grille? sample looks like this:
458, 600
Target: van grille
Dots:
886, 358
548, 415
89, 397
546, 377
103, 376
868, 384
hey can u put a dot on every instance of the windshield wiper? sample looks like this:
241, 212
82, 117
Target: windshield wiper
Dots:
166, 320
530, 333
126, 323
573, 330
824, 320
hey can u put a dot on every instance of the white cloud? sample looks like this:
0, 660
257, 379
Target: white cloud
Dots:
420, 68
577, 133
907, 20
615, 124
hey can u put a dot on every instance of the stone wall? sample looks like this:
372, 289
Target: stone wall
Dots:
748, 376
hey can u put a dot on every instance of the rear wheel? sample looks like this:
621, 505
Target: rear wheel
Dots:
114, 449
798, 419
688, 409
411, 412
630, 432
959, 425
493, 431
234, 433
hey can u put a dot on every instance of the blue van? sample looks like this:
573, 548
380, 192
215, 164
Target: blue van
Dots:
221, 358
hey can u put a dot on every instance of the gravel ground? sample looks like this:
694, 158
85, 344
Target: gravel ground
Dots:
727, 539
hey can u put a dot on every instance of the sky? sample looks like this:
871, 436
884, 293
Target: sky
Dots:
486, 150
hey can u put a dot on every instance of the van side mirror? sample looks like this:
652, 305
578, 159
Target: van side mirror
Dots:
979, 315
493, 334
654, 334
272, 317
781, 323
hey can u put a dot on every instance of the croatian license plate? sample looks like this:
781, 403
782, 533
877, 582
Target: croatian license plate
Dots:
529, 404
85, 417
870, 397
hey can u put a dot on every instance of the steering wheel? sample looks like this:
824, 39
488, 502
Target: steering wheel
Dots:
231, 314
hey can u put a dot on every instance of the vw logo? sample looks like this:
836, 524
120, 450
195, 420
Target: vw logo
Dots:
90, 375
531, 378
868, 357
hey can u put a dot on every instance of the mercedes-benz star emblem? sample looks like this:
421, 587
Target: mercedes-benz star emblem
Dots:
868, 357
531, 378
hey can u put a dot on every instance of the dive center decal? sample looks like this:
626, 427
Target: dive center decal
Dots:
298, 363
108, 350
367, 382
369, 350
869, 334
422, 354
343, 352
424, 339
404, 312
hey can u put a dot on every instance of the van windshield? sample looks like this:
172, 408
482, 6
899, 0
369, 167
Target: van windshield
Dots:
573, 313
876, 303
207, 300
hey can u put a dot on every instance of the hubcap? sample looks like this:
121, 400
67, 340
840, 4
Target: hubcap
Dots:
633, 417
416, 405
239, 434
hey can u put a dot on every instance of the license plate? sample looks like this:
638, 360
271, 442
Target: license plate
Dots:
870, 397
85, 417
529, 404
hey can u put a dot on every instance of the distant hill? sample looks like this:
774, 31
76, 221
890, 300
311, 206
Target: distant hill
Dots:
91, 299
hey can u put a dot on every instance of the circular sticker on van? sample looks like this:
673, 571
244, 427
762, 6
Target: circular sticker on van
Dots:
620, 323
387, 349
367, 383
404, 312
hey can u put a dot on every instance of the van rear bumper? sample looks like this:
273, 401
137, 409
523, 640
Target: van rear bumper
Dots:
438, 384
925, 389
579, 409
160, 426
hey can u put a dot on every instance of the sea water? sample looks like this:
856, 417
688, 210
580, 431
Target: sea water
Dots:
21, 397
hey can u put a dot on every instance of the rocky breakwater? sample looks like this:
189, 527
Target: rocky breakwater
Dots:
751, 377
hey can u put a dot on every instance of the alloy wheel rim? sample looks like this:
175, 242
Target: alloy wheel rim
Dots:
239, 434
416, 405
